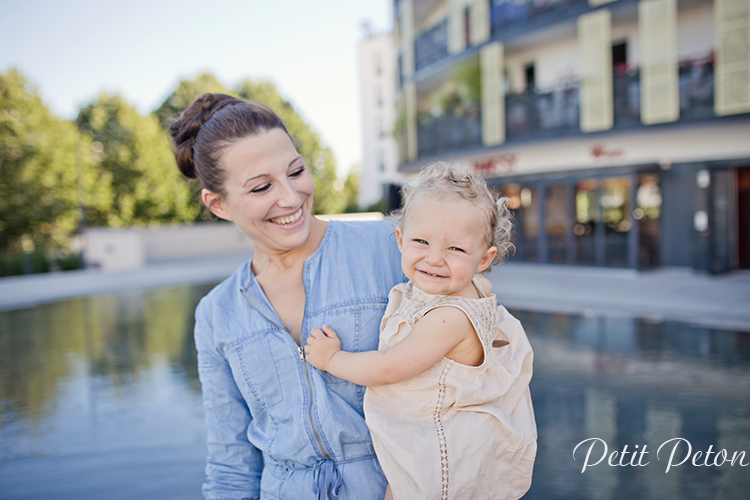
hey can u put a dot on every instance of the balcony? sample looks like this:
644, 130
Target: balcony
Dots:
626, 94
431, 46
696, 92
550, 113
449, 132
400, 70
509, 17
542, 114
696, 78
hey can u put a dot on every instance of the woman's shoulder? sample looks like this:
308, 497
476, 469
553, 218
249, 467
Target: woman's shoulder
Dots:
360, 238
376, 230
228, 288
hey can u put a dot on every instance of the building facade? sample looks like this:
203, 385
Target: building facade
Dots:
619, 129
377, 85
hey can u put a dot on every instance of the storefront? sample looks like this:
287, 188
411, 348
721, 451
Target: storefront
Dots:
606, 218
694, 215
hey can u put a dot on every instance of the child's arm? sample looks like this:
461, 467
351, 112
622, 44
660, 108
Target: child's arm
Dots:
434, 336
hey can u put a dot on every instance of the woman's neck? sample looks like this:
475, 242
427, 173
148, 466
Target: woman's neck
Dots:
280, 261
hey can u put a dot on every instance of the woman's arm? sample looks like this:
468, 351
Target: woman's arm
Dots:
439, 331
233, 465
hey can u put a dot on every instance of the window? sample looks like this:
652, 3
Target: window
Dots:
530, 74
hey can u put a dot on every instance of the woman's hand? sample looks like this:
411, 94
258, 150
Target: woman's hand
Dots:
321, 347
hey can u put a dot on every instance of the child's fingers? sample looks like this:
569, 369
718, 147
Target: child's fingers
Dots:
329, 332
317, 334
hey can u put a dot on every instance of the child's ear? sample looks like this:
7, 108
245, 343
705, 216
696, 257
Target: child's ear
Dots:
487, 258
215, 204
399, 237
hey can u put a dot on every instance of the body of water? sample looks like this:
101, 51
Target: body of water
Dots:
100, 399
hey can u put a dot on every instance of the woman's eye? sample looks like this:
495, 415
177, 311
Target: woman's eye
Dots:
297, 173
260, 189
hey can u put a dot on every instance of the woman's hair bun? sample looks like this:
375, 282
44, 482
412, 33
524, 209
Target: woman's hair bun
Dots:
185, 129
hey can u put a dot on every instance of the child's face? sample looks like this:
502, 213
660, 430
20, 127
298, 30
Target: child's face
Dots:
443, 244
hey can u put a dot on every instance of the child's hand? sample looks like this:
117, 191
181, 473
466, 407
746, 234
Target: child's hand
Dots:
321, 347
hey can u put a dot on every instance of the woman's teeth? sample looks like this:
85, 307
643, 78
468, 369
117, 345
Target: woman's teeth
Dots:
288, 220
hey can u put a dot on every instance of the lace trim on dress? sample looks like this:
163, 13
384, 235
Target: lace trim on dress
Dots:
442, 441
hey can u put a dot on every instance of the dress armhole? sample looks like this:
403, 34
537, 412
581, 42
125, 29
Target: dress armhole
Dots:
485, 351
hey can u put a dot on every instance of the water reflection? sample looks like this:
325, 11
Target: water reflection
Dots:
99, 393
99, 398
633, 382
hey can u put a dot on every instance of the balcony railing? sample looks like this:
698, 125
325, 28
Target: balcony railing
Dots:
697, 88
449, 132
696, 92
542, 114
626, 94
400, 70
555, 112
514, 15
431, 46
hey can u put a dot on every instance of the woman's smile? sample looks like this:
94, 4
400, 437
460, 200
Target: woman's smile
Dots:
287, 219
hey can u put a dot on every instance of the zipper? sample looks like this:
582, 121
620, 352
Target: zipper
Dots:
315, 432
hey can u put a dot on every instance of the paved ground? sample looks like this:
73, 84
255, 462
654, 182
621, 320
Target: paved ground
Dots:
679, 295
669, 294
26, 291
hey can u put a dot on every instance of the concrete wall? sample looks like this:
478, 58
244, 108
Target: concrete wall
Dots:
132, 248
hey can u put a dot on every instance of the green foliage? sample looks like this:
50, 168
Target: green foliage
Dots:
142, 185
114, 167
458, 95
318, 157
44, 175
350, 191
467, 79
187, 91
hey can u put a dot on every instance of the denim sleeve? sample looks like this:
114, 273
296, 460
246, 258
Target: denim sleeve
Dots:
233, 465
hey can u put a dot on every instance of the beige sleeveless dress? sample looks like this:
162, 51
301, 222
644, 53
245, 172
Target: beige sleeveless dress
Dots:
456, 431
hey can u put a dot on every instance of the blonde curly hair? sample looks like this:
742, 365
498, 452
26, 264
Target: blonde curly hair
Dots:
443, 179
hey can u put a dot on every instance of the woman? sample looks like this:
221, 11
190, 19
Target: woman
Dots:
278, 428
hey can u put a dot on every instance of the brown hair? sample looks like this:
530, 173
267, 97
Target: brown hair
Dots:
441, 179
211, 124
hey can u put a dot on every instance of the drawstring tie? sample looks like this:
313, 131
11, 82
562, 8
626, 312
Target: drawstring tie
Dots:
326, 479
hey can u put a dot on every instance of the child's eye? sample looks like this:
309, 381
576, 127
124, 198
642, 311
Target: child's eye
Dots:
297, 173
456, 249
261, 189
421, 242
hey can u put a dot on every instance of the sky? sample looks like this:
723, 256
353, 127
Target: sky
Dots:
74, 50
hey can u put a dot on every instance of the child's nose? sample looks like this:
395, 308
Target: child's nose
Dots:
434, 257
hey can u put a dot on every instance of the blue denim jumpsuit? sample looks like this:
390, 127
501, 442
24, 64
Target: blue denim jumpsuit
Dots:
277, 427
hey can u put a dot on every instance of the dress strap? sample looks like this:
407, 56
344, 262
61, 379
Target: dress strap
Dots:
478, 286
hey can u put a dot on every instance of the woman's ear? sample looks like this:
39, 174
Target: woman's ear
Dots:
487, 258
215, 204
399, 237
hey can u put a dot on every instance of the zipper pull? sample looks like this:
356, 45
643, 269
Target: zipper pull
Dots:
301, 354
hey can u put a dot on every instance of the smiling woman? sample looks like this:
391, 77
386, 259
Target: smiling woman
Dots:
278, 428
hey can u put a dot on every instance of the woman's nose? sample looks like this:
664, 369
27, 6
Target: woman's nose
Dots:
288, 195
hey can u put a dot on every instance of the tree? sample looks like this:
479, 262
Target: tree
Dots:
351, 190
187, 91
45, 173
132, 152
318, 157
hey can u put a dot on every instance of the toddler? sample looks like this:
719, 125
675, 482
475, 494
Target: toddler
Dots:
447, 400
